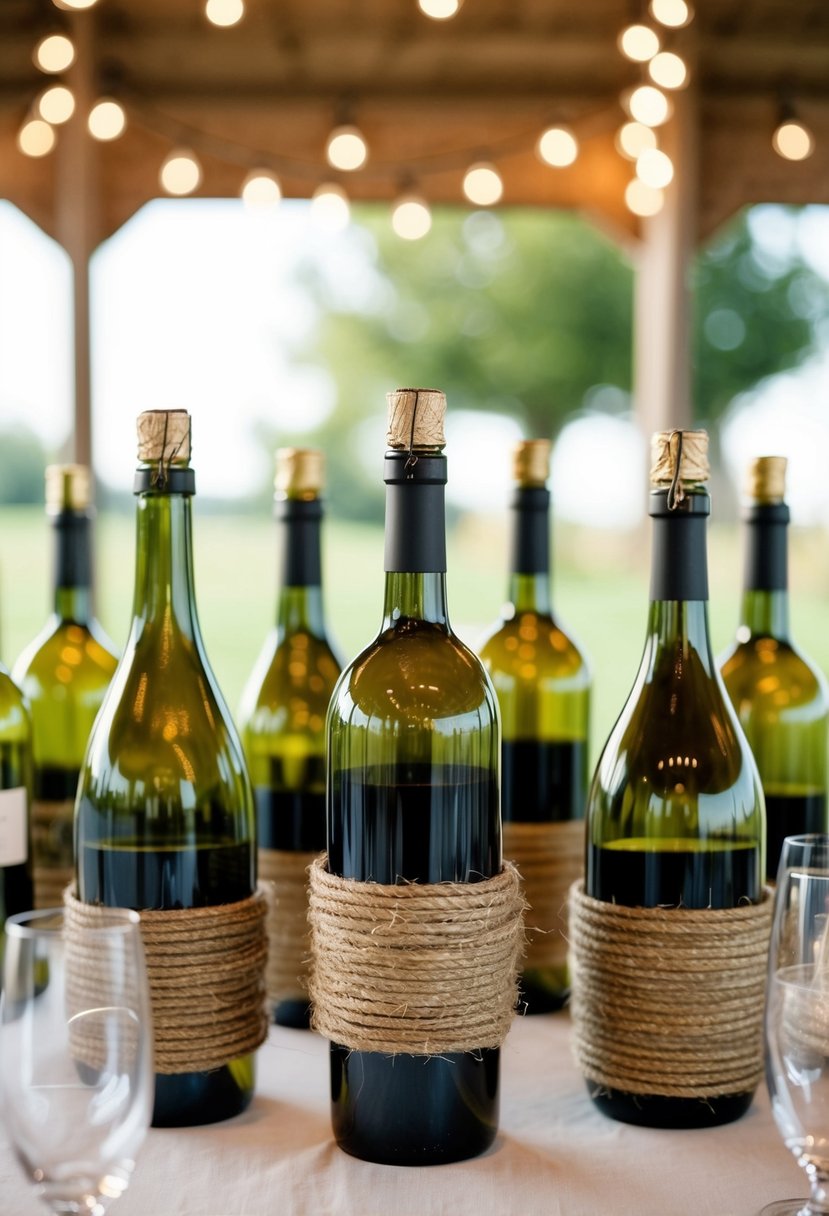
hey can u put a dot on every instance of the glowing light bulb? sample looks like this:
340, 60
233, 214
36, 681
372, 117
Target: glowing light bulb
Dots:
54, 53
181, 172
482, 185
639, 43
558, 147
346, 149
673, 13
261, 189
411, 218
793, 141
668, 70
439, 10
649, 106
329, 207
224, 12
56, 104
74, 4
633, 138
655, 168
36, 138
643, 200
107, 119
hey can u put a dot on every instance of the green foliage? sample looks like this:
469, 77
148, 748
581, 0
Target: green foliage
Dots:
22, 465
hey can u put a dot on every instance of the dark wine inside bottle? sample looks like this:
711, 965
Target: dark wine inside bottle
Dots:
429, 824
543, 782
791, 814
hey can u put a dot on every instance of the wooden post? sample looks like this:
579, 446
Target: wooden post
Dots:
77, 218
662, 304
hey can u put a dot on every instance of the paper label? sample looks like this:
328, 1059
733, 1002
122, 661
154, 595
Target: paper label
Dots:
14, 843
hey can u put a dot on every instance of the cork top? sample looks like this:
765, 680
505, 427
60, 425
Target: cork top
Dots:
164, 436
531, 462
679, 459
416, 418
300, 472
767, 479
68, 488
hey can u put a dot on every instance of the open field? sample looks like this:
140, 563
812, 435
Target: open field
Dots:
600, 590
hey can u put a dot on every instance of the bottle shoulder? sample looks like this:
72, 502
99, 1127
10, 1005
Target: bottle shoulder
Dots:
767, 676
67, 657
15, 718
290, 685
531, 647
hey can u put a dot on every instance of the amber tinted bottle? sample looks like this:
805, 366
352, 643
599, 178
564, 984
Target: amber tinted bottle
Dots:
543, 684
781, 697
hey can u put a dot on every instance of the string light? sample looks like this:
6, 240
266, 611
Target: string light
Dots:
181, 172
439, 10
36, 138
792, 140
54, 53
668, 70
639, 43
654, 168
649, 106
74, 4
411, 218
329, 207
633, 138
261, 189
107, 119
56, 104
482, 185
643, 200
558, 147
346, 148
224, 12
673, 13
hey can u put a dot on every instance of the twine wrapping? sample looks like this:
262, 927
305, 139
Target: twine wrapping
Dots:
422, 969
669, 1001
289, 942
206, 969
550, 857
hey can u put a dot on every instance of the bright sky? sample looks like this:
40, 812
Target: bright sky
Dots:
193, 306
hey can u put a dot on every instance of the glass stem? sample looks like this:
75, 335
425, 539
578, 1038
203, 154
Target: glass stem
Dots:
818, 1204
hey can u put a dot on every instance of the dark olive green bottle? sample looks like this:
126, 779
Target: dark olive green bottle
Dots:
780, 696
164, 816
16, 890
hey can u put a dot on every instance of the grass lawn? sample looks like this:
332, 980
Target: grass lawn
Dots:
600, 590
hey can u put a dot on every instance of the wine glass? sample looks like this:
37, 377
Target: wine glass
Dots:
797, 1017
75, 1054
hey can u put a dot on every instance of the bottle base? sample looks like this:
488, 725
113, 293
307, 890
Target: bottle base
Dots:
543, 991
295, 1014
196, 1098
646, 1110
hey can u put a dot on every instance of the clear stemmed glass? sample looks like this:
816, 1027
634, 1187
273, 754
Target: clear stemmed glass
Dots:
75, 1054
797, 1017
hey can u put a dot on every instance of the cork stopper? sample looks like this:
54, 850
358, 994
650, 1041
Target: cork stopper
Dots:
767, 479
68, 488
416, 418
164, 436
679, 459
300, 472
531, 462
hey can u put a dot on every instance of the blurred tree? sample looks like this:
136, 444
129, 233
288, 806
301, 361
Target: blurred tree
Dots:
22, 465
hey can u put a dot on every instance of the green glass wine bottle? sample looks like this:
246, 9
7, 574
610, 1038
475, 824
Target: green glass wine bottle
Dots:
543, 684
164, 816
286, 699
64, 673
675, 810
16, 889
780, 696
413, 795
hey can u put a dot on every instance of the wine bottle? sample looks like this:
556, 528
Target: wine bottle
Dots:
285, 702
675, 810
413, 795
64, 673
16, 890
543, 686
780, 696
164, 813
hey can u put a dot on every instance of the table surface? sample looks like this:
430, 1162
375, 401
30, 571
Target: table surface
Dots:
555, 1155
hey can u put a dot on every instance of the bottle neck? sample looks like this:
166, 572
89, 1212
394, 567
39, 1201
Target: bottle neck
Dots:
415, 548
300, 598
72, 567
765, 604
529, 582
678, 614
164, 585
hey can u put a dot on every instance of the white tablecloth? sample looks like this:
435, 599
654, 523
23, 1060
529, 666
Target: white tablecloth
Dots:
555, 1154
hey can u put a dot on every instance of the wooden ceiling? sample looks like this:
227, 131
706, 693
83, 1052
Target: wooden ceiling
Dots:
431, 97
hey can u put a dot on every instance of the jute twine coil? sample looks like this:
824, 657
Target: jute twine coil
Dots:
421, 969
550, 857
50, 884
285, 876
206, 969
669, 1001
